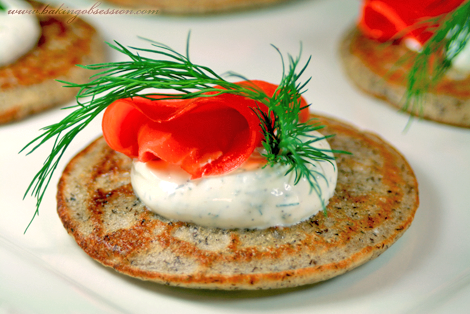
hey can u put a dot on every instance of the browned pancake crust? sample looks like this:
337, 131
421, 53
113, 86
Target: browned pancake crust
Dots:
196, 6
28, 85
375, 201
374, 68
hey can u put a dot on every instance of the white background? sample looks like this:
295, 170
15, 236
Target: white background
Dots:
426, 271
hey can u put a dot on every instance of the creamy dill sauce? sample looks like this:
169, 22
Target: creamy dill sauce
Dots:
19, 33
244, 198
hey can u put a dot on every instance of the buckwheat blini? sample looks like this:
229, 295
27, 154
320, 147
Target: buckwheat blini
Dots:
187, 7
423, 71
29, 85
375, 201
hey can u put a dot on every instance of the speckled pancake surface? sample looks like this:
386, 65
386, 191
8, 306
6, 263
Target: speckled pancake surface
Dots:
29, 85
379, 70
374, 203
187, 7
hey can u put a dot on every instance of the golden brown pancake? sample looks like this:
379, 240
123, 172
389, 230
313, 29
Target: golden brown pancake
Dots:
378, 70
195, 6
28, 85
374, 203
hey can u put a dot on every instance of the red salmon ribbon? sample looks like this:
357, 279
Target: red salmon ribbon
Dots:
385, 20
204, 136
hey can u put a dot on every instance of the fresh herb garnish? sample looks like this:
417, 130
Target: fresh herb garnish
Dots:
2, 7
286, 140
436, 55
117, 80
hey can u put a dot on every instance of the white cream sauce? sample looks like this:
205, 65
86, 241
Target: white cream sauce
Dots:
460, 63
462, 60
245, 198
19, 33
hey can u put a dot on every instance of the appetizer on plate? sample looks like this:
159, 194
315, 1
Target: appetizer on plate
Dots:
414, 55
219, 185
196, 6
35, 51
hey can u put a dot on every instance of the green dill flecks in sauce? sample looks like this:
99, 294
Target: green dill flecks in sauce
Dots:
249, 197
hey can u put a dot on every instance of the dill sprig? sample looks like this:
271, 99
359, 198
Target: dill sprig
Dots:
436, 56
174, 72
288, 141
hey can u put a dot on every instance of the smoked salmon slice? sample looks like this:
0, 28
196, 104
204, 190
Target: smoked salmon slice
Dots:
204, 136
386, 19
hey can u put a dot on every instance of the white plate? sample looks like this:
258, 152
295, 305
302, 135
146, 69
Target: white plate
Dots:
427, 270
